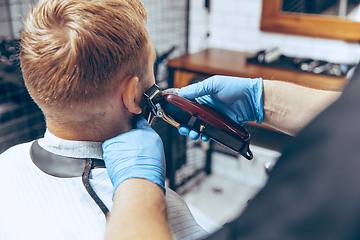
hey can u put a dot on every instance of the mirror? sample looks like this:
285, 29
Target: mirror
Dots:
342, 8
273, 19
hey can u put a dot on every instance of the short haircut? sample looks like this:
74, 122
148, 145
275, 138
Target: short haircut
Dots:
71, 50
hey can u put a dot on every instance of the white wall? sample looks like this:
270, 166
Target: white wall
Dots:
235, 25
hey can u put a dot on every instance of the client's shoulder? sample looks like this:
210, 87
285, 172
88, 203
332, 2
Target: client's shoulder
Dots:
173, 199
181, 221
18, 151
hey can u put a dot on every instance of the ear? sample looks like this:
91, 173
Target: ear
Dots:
130, 94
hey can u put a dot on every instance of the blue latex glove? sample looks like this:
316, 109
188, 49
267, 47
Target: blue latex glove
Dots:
138, 153
192, 134
238, 98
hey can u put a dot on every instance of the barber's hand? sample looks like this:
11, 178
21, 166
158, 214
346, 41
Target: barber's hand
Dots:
138, 153
238, 98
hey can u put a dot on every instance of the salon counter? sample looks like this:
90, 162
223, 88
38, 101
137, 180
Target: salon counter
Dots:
224, 62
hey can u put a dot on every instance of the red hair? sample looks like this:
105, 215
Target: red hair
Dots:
73, 51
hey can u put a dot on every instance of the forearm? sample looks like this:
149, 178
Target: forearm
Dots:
289, 107
139, 212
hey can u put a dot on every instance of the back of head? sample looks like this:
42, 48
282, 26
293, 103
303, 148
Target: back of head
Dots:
73, 51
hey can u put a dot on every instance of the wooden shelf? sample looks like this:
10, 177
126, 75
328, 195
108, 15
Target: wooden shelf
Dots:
224, 62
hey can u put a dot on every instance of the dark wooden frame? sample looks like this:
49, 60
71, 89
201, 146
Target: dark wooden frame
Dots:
273, 20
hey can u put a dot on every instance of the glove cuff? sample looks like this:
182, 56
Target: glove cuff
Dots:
258, 100
148, 175
158, 182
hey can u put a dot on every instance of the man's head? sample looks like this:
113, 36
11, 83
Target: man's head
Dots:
79, 56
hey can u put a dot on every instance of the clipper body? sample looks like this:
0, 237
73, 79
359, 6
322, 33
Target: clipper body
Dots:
179, 111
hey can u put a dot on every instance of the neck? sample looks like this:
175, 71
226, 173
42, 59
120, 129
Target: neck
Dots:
98, 132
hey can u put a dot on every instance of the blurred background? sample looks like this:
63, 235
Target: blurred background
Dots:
312, 43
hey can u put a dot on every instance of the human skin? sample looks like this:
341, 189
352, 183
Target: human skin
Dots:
139, 212
289, 107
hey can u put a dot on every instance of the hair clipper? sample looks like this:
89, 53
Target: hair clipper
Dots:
203, 119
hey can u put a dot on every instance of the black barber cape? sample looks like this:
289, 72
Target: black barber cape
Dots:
313, 192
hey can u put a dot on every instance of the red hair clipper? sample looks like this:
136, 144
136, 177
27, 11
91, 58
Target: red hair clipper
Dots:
203, 119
